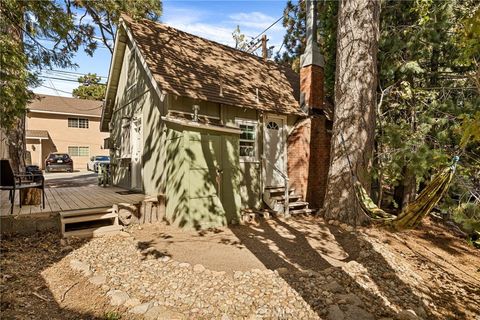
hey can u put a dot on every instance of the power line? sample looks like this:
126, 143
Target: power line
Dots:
72, 72
65, 79
57, 90
251, 44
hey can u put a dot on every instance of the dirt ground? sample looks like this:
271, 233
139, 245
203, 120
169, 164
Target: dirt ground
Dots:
36, 282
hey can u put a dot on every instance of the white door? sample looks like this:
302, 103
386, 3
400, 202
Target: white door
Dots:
136, 140
274, 149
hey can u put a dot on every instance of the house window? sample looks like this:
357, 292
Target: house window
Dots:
78, 123
75, 151
248, 139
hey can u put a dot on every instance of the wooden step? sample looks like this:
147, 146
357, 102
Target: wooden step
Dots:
297, 204
281, 198
92, 220
93, 232
89, 217
82, 212
278, 190
302, 211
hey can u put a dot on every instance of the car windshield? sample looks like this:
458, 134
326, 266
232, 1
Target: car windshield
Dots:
102, 158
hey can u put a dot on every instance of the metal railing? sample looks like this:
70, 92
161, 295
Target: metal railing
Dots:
286, 210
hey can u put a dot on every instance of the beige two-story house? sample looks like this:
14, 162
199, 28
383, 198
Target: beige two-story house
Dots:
66, 125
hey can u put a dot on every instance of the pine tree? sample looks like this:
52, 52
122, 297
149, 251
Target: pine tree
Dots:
90, 88
355, 104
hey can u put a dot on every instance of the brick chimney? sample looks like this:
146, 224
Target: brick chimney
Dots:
309, 142
311, 65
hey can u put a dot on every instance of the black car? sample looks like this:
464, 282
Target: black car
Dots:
58, 161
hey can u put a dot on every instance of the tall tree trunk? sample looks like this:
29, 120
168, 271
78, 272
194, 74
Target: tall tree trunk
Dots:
15, 135
355, 103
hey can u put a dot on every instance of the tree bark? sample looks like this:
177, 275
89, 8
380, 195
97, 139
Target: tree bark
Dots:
355, 103
16, 145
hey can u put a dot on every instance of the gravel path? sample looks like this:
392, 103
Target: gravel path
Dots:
161, 287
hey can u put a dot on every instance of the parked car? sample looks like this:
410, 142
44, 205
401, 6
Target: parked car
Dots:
58, 161
92, 165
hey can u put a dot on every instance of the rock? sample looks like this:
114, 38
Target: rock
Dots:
349, 299
64, 249
117, 297
164, 259
184, 265
333, 286
141, 308
420, 311
132, 302
407, 315
80, 267
282, 270
162, 313
198, 268
98, 280
237, 274
355, 312
334, 313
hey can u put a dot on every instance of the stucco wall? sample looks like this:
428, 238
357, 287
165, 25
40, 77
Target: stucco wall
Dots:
61, 137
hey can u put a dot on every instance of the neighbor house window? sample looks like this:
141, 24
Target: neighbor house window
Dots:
75, 151
248, 139
78, 123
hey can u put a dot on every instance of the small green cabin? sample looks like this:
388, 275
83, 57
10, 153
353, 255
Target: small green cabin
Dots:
200, 123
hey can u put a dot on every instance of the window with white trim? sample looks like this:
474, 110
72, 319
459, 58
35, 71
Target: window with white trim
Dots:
78, 123
248, 139
76, 151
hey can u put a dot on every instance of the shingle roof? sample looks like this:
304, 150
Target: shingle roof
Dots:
187, 65
39, 134
47, 103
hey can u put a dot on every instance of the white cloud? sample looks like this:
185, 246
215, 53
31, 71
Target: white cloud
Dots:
255, 20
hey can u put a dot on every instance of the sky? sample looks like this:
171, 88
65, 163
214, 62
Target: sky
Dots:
214, 20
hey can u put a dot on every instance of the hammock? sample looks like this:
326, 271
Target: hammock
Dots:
416, 210
413, 212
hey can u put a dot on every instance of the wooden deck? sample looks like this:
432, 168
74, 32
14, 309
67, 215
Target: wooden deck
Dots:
71, 198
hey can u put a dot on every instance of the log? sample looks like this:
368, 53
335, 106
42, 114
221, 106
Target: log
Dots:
127, 213
31, 196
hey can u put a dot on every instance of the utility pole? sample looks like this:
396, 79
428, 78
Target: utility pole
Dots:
264, 47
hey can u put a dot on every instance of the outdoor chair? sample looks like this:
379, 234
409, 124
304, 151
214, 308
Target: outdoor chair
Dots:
13, 182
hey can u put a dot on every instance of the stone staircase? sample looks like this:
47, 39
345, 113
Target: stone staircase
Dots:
274, 198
